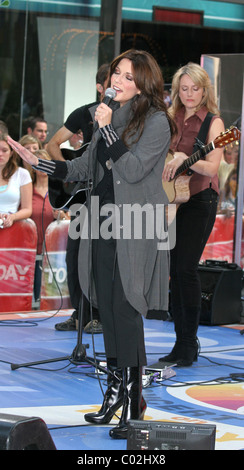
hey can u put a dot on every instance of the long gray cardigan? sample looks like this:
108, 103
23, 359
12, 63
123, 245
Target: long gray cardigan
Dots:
137, 178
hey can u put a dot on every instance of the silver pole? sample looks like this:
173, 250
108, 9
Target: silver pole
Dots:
23, 72
117, 33
240, 193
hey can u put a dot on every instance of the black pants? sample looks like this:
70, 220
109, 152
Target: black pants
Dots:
194, 223
122, 325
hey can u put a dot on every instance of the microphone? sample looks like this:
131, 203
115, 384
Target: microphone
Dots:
110, 94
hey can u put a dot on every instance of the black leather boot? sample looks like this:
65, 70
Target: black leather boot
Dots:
189, 353
190, 343
176, 352
113, 398
174, 355
134, 405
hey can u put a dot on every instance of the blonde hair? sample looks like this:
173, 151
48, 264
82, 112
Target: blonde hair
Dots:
42, 153
201, 78
29, 139
25, 140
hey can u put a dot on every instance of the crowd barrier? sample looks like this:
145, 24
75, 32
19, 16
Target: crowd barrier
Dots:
17, 266
18, 253
54, 288
220, 245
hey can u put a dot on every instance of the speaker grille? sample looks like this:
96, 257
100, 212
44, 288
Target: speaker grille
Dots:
171, 435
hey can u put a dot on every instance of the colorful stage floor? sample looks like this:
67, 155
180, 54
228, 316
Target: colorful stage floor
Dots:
211, 391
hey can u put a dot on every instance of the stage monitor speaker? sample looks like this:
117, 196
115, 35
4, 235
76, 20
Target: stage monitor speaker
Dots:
23, 433
221, 284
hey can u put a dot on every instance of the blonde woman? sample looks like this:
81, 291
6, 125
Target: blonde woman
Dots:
192, 99
31, 143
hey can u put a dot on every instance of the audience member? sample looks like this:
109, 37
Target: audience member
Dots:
31, 143
42, 214
228, 162
167, 98
15, 187
228, 194
38, 128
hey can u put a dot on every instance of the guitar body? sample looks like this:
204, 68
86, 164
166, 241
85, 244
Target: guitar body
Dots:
182, 190
177, 190
62, 195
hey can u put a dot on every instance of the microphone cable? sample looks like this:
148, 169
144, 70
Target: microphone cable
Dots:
45, 253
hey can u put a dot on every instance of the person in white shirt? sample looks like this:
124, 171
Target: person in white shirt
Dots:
15, 187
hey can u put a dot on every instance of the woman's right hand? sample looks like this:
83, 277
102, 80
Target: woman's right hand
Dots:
171, 167
24, 153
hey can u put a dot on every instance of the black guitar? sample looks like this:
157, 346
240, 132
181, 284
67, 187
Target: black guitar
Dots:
62, 195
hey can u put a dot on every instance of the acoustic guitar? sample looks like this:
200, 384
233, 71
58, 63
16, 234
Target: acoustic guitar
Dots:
61, 194
177, 189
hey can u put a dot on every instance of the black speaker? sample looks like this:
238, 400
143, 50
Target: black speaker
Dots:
221, 284
22, 433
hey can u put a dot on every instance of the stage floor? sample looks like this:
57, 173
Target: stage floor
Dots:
211, 391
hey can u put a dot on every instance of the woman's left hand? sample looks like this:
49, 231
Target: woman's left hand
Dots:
60, 215
171, 167
8, 220
103, 115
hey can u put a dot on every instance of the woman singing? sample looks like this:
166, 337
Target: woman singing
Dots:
192, 99
126, 159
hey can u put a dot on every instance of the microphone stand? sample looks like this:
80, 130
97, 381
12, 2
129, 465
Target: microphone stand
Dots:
78, 355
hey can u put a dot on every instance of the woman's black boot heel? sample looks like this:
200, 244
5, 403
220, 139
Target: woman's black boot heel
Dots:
189, 355
134, 405
174, 355
113, 399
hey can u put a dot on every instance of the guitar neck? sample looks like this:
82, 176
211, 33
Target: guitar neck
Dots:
194, 158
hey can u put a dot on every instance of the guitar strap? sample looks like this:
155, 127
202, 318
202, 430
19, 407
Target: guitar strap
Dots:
202, 134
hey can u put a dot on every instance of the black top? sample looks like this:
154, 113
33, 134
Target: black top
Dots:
81, 118
104, 189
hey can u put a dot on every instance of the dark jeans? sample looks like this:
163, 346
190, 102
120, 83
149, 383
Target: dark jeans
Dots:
194, 223
123, 329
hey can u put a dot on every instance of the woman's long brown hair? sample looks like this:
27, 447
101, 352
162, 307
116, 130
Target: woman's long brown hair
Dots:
148, 79
11, 166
